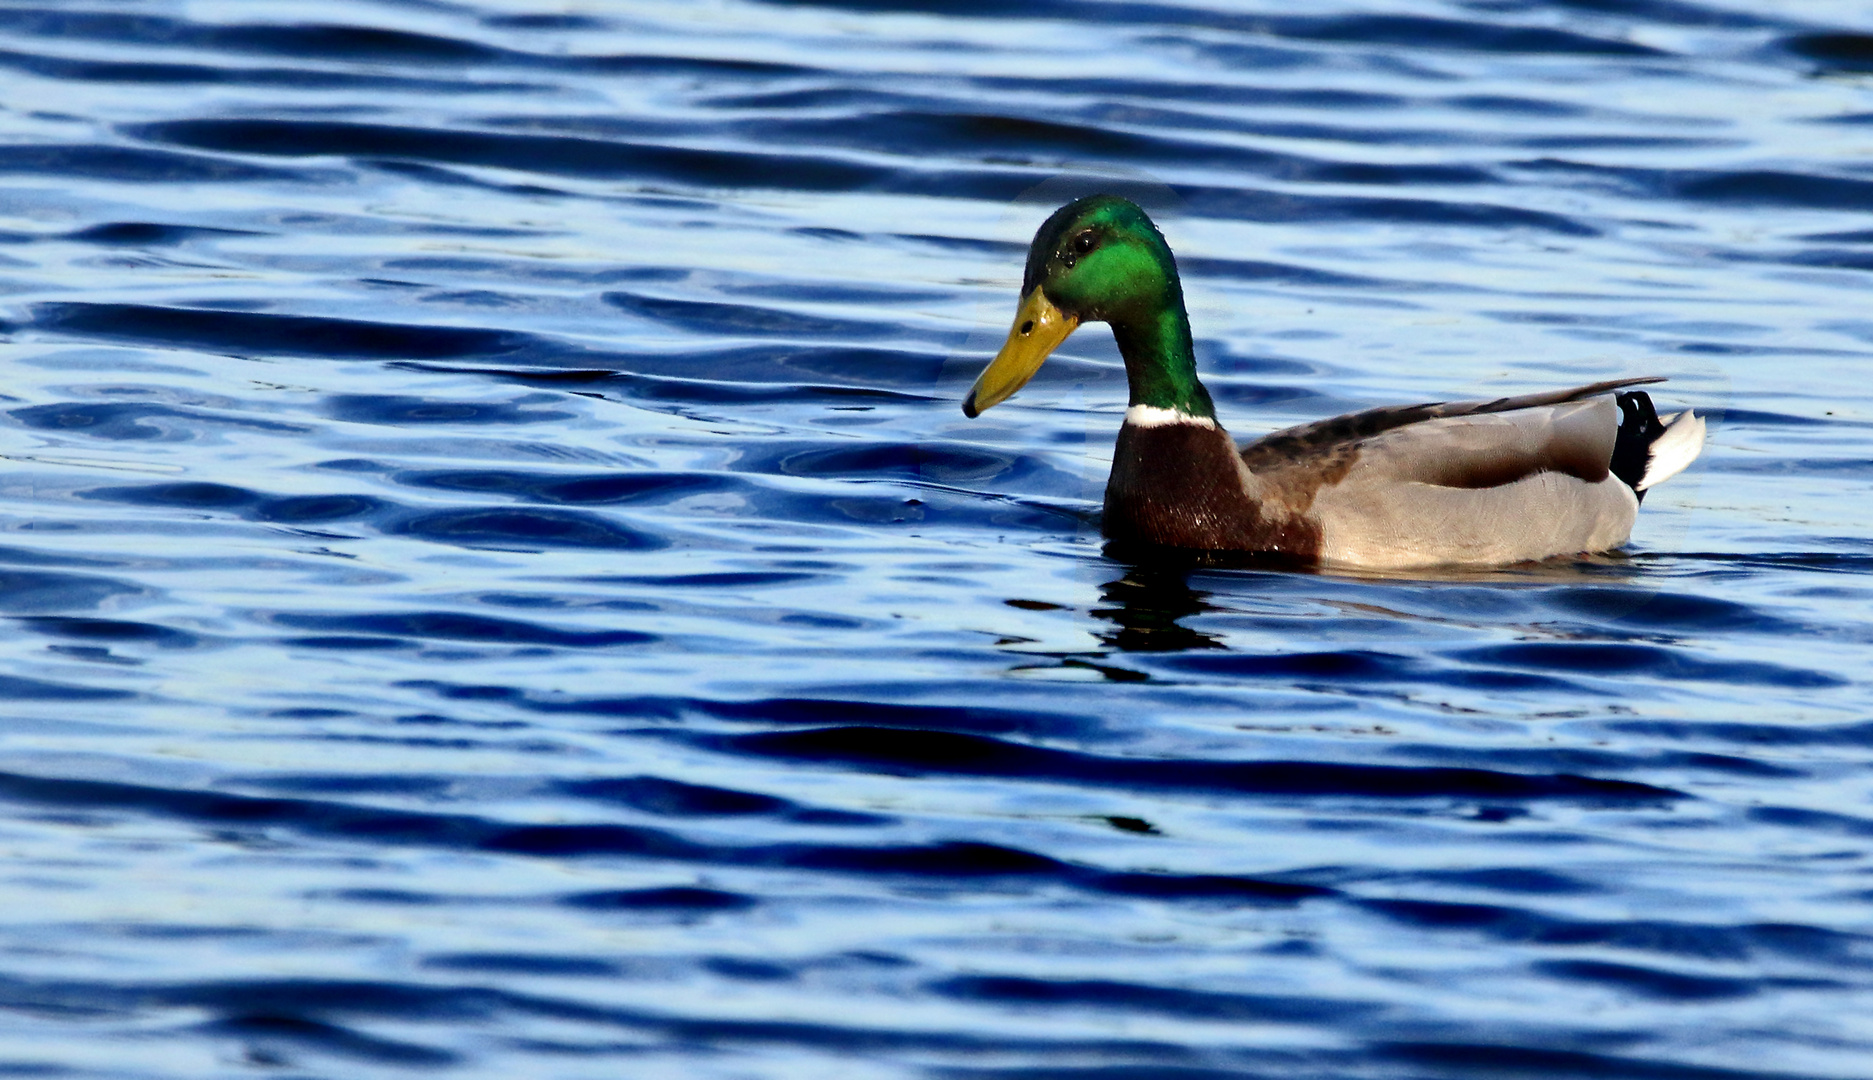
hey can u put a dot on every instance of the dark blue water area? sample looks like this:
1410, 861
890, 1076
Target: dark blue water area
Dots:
500, 584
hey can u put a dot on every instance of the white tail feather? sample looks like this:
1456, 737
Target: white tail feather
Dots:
1675, 448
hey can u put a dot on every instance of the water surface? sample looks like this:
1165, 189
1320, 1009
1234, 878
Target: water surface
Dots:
500, 584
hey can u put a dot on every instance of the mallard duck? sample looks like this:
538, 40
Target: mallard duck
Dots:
1464, 483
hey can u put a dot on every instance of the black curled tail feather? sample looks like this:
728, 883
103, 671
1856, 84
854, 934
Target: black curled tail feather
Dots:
1639, 426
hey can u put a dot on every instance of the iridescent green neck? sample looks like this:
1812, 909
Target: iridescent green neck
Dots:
1100, 259
1160, 363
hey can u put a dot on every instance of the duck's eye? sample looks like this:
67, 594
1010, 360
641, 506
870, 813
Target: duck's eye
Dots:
1084, 242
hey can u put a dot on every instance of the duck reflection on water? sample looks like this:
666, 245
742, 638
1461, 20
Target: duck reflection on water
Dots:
1144, 607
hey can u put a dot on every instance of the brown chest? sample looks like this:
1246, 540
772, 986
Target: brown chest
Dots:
1181, 485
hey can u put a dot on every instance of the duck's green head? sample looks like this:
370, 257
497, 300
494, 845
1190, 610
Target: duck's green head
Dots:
1097, 259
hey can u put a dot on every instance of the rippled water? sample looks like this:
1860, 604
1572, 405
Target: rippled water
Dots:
499, 581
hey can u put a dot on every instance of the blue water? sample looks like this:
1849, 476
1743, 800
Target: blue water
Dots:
499, 583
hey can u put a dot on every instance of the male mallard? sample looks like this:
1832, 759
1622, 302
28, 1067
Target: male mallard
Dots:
1478, 482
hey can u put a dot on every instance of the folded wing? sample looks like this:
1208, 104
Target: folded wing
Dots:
1332, 437
1492, 449
1465, 482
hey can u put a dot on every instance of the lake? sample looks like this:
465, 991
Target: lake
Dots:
500, 583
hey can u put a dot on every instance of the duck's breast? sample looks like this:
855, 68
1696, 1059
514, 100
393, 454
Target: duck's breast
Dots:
1179, 481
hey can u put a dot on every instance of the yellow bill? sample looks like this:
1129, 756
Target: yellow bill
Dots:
1039, 329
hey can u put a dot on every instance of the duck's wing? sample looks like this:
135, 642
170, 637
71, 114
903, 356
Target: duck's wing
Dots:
1491, 449
1461, 482
1465, 450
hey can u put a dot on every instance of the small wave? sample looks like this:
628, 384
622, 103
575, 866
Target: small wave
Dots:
277, 335
937, 753
137, 165
459, 626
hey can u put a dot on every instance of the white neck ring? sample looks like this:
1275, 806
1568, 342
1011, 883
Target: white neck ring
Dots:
1148, 416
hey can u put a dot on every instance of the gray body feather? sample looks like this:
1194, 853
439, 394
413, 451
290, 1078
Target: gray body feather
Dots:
1490, 488
1477, 482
